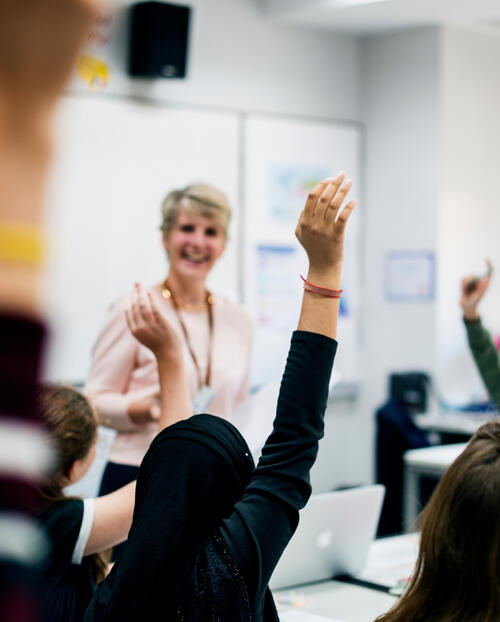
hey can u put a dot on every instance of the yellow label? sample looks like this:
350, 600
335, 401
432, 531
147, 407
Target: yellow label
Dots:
94, 71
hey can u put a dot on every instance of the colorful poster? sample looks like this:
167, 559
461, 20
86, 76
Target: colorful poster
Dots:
289, 185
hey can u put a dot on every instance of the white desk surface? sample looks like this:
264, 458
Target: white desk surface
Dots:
389, 560
334, 600
437, 457
454, 422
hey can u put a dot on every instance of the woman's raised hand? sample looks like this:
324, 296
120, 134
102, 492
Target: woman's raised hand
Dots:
322, 224
149, 326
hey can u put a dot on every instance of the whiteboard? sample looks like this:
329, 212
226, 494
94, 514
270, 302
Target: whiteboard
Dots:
283, 159
115, 162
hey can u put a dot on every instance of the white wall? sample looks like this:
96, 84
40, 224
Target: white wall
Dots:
237, 59
400, 97
400, 85
469, 205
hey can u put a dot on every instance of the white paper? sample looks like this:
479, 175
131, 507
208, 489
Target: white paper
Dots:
409, 276
302, 616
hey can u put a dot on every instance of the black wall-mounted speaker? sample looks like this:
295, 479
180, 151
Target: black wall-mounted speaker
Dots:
158, 42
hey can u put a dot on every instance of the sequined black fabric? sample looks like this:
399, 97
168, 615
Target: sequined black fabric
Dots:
214, 589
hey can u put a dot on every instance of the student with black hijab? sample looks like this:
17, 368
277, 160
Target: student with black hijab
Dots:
208, 527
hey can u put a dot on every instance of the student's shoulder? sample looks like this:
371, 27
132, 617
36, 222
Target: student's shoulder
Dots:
62, 521
62, 511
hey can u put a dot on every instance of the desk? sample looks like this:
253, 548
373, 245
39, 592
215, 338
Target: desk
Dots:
389, 559
431, 461
454, 422
335, 600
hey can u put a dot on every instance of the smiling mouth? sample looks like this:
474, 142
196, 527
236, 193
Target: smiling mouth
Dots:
194, 258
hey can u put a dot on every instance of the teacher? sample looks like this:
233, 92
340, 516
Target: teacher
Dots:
216, 335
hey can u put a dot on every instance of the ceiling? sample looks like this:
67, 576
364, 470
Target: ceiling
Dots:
375, 16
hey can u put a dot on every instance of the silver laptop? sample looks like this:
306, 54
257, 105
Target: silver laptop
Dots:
333, 536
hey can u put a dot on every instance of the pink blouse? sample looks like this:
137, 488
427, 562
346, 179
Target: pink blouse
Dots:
123, 370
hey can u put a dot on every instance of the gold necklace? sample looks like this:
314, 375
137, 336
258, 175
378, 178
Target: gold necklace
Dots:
167, 294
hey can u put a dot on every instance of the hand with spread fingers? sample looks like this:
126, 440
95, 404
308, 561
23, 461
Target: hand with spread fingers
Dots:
151, 328
322, 224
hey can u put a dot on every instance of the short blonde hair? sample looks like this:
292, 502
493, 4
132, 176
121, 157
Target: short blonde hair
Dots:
198, 198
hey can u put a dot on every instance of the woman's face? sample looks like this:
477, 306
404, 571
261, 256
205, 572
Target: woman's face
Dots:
194, 244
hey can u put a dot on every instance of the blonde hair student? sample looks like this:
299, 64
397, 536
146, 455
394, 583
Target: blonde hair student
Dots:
78, 529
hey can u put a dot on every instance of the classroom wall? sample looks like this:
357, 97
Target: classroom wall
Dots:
400, 77
469, 216
238, 59
400, 112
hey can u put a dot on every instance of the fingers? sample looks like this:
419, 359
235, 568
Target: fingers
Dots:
316, 197
142, 310
327, 196
155, 312
344, 215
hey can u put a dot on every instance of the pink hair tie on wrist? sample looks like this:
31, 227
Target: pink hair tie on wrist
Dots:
329, 293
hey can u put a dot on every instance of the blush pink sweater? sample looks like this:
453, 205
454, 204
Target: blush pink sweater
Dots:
123, 370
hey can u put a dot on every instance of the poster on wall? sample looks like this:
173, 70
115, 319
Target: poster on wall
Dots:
104, 51
289, 185
283, 160
409, 276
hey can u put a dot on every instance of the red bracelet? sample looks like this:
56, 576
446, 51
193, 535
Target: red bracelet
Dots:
329, 293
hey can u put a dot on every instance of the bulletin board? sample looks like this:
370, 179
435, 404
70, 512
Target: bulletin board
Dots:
116, 160
283, 160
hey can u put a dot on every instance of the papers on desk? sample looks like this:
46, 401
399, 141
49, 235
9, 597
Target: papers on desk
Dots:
301, 616
391, 561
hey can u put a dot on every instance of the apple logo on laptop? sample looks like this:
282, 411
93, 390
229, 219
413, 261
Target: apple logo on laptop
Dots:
324, 539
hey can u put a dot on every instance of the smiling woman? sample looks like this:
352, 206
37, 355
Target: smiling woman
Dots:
216, 335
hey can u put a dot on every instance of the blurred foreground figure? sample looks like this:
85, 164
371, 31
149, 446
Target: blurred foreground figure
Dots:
39, 40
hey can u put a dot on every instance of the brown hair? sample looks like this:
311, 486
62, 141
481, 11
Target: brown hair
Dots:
198, 198
456, 577
71, 423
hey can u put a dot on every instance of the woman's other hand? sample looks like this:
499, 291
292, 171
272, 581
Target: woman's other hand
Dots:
146, 410
473, 289
150, 326
321, 228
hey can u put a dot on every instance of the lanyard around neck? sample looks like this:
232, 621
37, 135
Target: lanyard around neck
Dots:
167, 292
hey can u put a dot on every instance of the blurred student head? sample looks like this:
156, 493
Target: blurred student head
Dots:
457, 572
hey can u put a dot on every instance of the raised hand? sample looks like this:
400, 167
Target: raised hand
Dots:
321, 230
472, 290
39, 41
321, 227
149, 326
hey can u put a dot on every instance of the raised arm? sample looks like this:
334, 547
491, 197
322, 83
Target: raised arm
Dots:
321, 231
39, 40
472, 290
266, 517
112, 519
152, 329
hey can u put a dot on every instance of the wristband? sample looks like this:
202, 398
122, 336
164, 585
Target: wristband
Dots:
323, 291
20, 244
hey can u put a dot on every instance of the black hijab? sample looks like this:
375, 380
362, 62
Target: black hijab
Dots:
174, 562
